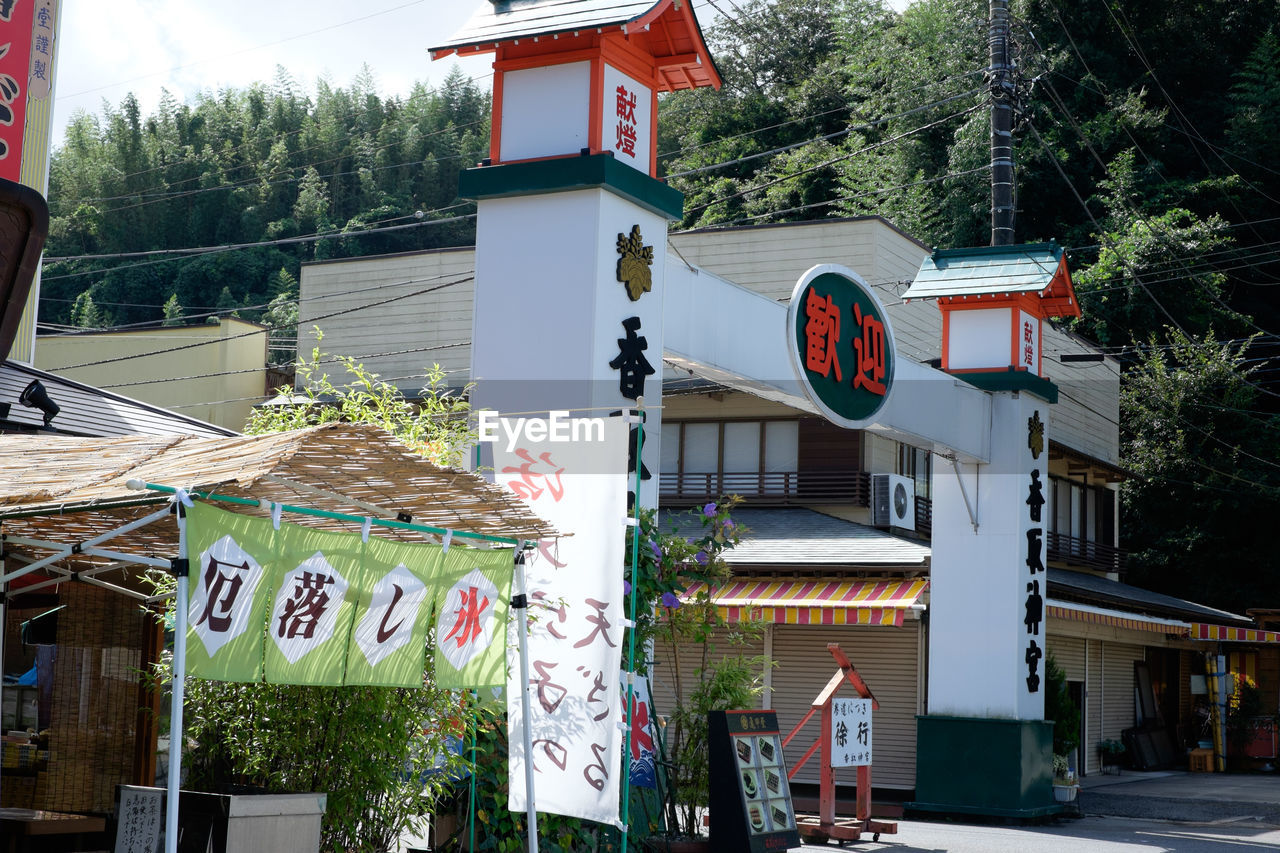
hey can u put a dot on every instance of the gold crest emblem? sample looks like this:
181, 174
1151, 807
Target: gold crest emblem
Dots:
1035, 435
634, 261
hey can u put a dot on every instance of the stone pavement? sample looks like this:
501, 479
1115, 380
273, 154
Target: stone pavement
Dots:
1179, 795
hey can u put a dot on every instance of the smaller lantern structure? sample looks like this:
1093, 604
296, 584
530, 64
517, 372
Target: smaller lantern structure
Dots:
994, 301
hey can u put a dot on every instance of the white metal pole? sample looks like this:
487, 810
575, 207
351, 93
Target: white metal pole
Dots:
179, 675
521, 605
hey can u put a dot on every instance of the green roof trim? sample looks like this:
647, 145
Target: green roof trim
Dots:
986, 271
564, 174
1011, 380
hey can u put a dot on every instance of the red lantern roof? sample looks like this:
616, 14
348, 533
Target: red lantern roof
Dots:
666, 30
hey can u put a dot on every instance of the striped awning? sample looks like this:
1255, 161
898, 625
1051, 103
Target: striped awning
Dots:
814, 602
1225, 633
1115, 618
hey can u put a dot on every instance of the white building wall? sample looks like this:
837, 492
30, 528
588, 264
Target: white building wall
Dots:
395, 327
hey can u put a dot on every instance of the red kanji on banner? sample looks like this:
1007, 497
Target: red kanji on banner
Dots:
466, 626
527, 486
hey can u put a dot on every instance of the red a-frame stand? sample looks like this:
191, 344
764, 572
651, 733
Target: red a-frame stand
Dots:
826, 826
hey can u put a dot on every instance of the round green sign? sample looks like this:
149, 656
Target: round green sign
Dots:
841, 344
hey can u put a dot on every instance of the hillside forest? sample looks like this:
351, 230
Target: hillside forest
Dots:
1147, 142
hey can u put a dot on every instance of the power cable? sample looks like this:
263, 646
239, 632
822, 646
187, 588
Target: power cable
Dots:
337, 235
279, 326
833, 161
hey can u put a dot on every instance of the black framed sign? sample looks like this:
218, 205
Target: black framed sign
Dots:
751, 807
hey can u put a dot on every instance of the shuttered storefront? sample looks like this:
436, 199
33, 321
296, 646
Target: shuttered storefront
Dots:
1117, 677
887, 658
1068, 653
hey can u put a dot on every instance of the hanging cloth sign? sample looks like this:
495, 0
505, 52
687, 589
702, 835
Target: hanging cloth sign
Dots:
388, 646
471, 618
296, 605
310, 619
228, 595
575, 613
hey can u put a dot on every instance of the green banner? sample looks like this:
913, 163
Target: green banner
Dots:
296, 605
229, 591
309, 623
471, 618
397, 587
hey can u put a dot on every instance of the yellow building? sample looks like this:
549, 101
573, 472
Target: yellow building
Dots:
214, 372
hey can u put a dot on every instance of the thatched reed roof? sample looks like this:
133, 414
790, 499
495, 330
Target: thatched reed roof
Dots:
71, 489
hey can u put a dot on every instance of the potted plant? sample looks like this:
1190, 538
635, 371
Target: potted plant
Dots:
1110, 755
1065, 786
702, 657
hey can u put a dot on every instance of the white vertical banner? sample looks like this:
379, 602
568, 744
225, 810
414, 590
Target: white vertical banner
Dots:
573, 474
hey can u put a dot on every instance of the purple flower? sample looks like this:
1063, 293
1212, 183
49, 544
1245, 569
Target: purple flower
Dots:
626, 587
657, 552
709, 510
701, 558
670, 599
729, 525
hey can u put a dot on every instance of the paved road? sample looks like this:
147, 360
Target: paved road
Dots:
1087, 835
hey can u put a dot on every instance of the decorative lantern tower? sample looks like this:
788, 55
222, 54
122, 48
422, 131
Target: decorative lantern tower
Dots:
994, 302
571, 245
984, 747
571, 230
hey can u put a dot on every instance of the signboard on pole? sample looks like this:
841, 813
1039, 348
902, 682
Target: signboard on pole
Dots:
850, 732
575, 597
297, 605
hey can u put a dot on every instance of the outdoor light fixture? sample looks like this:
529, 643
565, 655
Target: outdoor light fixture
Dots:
36, 397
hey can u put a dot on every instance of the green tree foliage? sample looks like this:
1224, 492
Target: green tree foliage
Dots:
84, 313
1198, 514
245, 166
172, 311
1059, 708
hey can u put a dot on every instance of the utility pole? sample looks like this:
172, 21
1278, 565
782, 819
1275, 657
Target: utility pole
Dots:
1003, 94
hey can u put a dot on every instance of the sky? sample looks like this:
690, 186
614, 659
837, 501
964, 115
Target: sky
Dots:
112, 47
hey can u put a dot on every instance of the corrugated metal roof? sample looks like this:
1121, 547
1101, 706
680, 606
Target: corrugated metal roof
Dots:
89, 411
1027, 268
802, 537
513, 19
1065, 584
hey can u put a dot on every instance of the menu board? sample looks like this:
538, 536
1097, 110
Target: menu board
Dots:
751, 805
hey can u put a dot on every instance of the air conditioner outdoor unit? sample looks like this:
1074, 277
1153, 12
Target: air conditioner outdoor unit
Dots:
893, 501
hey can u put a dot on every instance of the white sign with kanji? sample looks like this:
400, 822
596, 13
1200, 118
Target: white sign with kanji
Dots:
628, 119
574, 587
1027, 345
850, 732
